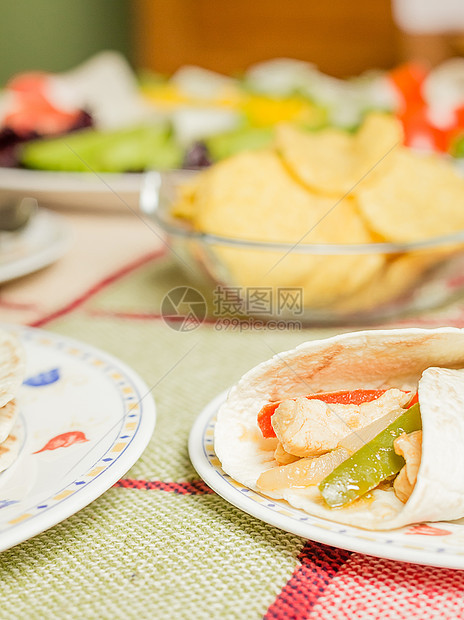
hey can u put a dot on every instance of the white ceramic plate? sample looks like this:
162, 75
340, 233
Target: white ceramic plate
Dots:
74, 189
435, 544
44, 240
87, 418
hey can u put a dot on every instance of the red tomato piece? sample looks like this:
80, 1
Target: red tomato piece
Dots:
31, 110
33, 81
408, 80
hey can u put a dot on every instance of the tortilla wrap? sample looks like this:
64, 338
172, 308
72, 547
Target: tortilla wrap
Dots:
12, 366
403, 358
10, 448
12, 369
8, 415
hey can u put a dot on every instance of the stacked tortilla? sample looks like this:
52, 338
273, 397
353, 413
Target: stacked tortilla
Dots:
431, 361
11, 376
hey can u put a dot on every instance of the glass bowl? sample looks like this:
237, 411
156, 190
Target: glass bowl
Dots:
310, 283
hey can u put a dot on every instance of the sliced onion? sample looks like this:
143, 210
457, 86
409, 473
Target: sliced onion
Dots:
302, 473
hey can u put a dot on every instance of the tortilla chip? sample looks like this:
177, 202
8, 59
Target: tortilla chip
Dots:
418, 197
333, 161
374, 145
237, 200
333, 278
399, 277
322, 279
322, 160
185, 203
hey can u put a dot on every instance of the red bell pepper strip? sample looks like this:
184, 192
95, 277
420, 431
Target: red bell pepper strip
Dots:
343, 397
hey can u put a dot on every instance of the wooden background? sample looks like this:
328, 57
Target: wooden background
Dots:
342, 37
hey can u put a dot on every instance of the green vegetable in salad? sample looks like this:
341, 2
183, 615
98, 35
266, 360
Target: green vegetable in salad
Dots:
229, 143
125, 150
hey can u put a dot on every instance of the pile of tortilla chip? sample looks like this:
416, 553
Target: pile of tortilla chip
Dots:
11, 376
329, 187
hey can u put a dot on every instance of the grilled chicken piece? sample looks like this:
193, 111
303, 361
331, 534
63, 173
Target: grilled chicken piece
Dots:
311, 427
409, 446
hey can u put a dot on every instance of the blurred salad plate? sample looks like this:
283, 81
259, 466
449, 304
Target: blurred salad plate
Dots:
44, 239
75, 189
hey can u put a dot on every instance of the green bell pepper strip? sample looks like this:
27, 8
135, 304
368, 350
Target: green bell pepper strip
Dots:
374, 462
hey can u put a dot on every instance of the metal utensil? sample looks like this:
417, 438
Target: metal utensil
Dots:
15, 214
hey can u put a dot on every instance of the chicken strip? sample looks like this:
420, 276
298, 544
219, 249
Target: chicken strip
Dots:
410, 448
311, 427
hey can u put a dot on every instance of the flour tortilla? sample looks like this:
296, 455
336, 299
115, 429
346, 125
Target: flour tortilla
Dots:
367, 359
9, 449
12, 366
8, 416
